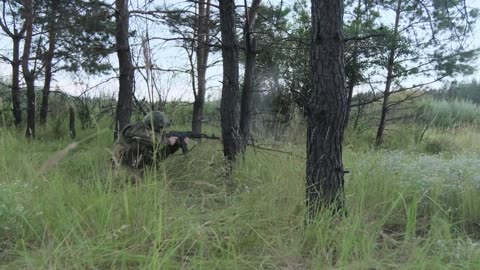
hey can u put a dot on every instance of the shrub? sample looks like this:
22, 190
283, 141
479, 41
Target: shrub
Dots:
437, 145
59, 129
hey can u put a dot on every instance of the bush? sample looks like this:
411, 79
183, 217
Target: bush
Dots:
437, 145
59, 128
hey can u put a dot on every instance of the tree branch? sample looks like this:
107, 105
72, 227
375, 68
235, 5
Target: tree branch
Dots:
153, 67
360, 38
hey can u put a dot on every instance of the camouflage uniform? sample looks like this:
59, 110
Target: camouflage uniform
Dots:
138, 145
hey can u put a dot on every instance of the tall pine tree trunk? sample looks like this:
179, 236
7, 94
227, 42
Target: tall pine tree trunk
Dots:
17, 110
326, 108
126, 80
202, 50
27, 73
52, 33
350, 87
229, 108
354, 74
247, 92
357, 117
71, 123
249, 78
388, 83
16, 35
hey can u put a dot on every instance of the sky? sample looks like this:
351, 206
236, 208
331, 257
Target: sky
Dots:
167, 56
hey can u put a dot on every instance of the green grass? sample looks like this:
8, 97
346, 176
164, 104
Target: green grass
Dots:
406, 210
447, 113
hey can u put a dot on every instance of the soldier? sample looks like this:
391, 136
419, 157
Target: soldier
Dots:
142, 144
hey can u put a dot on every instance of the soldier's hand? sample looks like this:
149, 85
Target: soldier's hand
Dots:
172, 140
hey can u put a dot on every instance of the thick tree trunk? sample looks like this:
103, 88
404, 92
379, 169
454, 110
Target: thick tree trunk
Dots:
202, 56
27, 73
249, 77
326, 109
388, 82
197, 115
52, 33
201, 90
229, 108
126, 80
17, 110
202, 51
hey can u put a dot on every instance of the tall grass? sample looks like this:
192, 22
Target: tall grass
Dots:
443, 113
405, 211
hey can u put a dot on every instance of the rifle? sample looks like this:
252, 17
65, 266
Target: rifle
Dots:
184, 134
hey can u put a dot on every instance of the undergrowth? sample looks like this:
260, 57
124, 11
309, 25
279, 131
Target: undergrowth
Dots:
406, 209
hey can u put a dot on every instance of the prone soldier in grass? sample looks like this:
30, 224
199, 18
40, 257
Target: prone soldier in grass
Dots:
142, 144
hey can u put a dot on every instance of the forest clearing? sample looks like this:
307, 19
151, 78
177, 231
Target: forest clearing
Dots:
323, 134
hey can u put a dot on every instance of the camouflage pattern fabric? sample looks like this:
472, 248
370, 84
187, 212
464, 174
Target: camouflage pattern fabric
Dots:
137, 147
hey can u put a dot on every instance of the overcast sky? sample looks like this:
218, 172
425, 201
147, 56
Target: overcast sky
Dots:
169, 56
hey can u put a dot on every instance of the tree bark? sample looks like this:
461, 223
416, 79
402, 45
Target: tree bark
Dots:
326, 109
350, 87
357, 117
52, 34
126, 80
202, 50
229, 108
27, 73
17, 110
353, 79
388, 82
16, 35
197, 114
71, 123
249, 77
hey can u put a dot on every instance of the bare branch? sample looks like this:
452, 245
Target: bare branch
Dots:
6, 59
360, 38
153, 67
275, 150
418, 85
97, 85
157, 13
410, 96
213, 5
3, 22
366, 102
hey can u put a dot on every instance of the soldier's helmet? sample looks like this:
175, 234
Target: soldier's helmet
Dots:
158, 119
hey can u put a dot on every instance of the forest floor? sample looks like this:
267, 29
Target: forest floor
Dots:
407, 208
